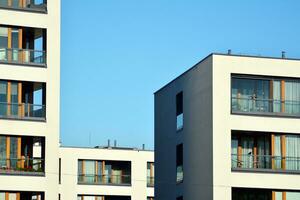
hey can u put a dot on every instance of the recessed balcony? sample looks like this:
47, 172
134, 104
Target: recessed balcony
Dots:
265, 152
22, 100
25, 5
150, 174
22, 155
23, 46
271, 96
104, 172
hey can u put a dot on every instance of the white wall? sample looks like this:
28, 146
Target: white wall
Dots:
224, 122
50, 75
69, 189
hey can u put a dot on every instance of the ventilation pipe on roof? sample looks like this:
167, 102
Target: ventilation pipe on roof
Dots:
283, 54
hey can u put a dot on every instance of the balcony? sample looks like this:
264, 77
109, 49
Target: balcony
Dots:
265, 152
22, 155
269, 162
9, 195
104, 172
22, 56
26, 5
23, 46
106, 197
150, 174
22, 100
105, 179
265, 96
265, 194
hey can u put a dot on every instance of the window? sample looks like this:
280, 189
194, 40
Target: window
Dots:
22, 100
179, 110
104, 172
150, 174
59, 171
265, 194
265, 95
179, 163
257, 150
92, 197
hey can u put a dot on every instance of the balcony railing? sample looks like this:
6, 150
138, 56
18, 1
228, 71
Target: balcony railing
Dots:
150, 181
23, 56
22, 111
33, 5
253, 162
21, 166
271, 106
105, 179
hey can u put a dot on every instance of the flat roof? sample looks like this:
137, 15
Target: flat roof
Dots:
225, 54
108, 148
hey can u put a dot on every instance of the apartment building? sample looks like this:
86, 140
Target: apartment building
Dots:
106, 173
229, 128
29, 99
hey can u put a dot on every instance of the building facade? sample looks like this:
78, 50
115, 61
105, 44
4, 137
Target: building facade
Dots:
106, 173
29, 99
229, 128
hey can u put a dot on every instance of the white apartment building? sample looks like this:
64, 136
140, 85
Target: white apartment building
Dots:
229, 129
29, 99
106, 173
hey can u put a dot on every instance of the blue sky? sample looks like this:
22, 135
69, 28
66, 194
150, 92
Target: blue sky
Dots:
116, 54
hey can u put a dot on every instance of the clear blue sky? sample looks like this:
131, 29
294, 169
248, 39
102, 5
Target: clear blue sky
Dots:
116, 53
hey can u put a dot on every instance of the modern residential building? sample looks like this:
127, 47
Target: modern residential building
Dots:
106, 173
229, 128
29, 99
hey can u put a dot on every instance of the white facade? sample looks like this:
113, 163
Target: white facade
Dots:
71, 188
219, 130
24, 70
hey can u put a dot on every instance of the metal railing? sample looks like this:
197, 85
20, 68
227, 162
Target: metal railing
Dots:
246, 161
105, 179
34, 5
150, 181
255, 105
13, 165
23, 56
23, 110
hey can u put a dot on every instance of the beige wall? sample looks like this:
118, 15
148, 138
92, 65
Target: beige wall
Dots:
50, 75
224, 122
69, 188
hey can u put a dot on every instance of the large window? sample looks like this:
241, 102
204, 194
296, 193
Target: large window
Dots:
21, 195
34, 5
150, 174
91, 197
22, 100
179, 111
22, 45
264, 194
257, 150
22, 154
104, 172
265, 95
179, 163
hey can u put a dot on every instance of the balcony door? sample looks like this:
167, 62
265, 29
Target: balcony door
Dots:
10, 44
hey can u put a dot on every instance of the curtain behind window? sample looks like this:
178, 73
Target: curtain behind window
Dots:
292, 97
292, 152
276, 96
277, 153
234, 152
247, 152
89, 171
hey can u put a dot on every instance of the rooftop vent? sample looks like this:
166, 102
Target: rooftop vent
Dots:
283, 54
